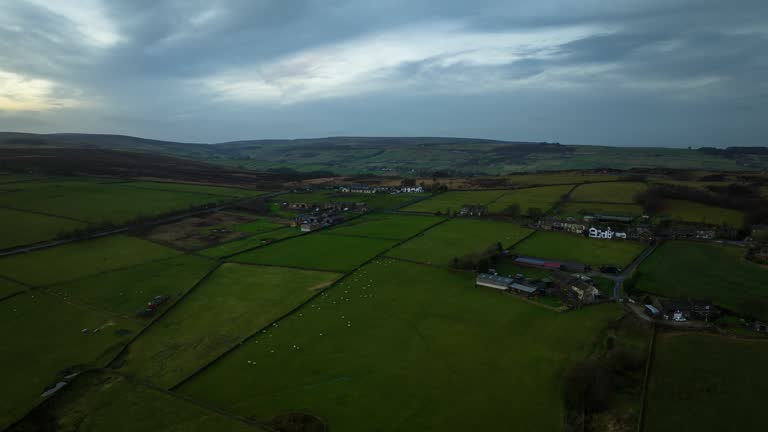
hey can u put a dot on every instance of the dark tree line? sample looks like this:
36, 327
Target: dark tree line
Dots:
477, 261
745, 198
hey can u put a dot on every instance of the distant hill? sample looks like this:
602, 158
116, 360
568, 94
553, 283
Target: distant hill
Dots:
409, 156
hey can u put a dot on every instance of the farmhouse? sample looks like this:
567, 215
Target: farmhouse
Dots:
297, 205
357, 188
473, 210
684, 310
607, 233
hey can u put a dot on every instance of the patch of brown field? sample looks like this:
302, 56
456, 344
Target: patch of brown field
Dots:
199, 232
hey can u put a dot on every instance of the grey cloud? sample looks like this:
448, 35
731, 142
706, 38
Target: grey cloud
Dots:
141, 85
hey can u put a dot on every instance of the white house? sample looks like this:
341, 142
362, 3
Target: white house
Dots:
608, 233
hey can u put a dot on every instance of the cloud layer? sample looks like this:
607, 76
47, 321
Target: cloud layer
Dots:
627, 72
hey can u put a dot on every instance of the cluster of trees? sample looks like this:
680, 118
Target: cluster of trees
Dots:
591, 385
477, 261
746, 198
514, 210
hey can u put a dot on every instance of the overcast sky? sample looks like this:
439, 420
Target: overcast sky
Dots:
612, 72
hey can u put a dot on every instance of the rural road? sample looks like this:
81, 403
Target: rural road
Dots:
627, 272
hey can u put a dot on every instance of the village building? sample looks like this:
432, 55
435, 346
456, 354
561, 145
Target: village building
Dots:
607, 233
684, 310
551, 264
473, 210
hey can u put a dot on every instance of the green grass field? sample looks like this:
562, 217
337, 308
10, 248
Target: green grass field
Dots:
125, 292
98, 402
702, 382
567, 247
458, 237
259, 226
400, 346
236, 301
42, 338
616, 192
386, 226
581, 208
8, 287
708, 271
253, 241
688, 211
195, 188
20, 228
318, 251
559, 178
541, 197
80, 259
453, 201
90, 201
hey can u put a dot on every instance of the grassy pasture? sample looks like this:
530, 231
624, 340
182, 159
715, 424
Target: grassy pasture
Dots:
541, 197
42, 337
318, 251
80, 259
386, 225
616, 192
195, 188
98, 402
125, 292
20, 228
256, 240
8, 287
401, 346
453, 201
580, 208
567, 247
559, 178
258, 226
11, 178
456, 238
234, 302
706, 382
93, 202
715, 272
688, 211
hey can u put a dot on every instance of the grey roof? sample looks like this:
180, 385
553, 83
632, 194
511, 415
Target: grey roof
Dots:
501, 280
523, 288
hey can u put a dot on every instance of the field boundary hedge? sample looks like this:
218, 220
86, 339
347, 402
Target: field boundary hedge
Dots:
646, 379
